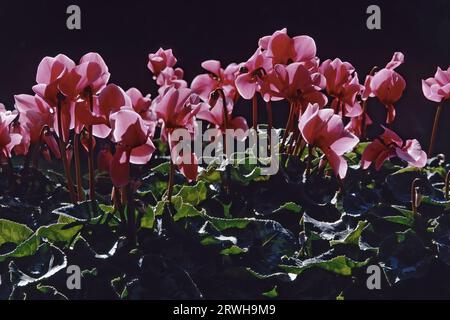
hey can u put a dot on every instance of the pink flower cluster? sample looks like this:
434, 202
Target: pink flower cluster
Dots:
75, 103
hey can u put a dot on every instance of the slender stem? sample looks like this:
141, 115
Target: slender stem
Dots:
364, 120
91, 152
270, 122
62, 149
295, 136
364, 115
414, 195
435, 127
76, 147
298, 145
225, 123
288, 127
255, 111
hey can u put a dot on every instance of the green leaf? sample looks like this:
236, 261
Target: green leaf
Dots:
148, 220
290, 206
84, 211
193, 195
432, 201
405, 212
222, 224
233, 250
341, 265
210, 174
55, 234
400, 220
353, 236
47, 261
13, 232
272, 293
185, 210
106, 209
163, 168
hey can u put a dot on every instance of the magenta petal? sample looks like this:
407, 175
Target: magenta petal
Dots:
101, 131
412, 153
203, 85
337, 163
212, 66
120, 168
305, 48
344, 144
246, 86
143, 153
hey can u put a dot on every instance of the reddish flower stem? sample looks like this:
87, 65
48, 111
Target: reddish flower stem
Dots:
76, 147
288, 127
255, 111
299, 145
364, 120
62, 149
435, 127
295, 136
226, 183
364, 107
270, 122
91, 151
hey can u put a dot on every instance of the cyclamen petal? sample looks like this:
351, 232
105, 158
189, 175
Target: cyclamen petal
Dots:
120, 167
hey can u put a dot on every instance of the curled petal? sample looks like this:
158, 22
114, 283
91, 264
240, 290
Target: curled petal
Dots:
246, 85
143, 153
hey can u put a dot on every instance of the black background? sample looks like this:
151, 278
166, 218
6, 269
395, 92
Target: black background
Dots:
124, 32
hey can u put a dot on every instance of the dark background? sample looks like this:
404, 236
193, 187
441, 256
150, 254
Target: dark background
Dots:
124, 32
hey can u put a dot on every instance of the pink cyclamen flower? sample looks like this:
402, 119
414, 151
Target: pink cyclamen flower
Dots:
177, 109
325, 130
169, 78
51, 72
143, 106
355, 125
252, 73
216, 78
387, 85
34, 115
437, 89
223, 119
49, 75
389, 145
284, 49
343, 85
296, 84
8, 140
88, 77
134, 144
111, 99
160, 60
